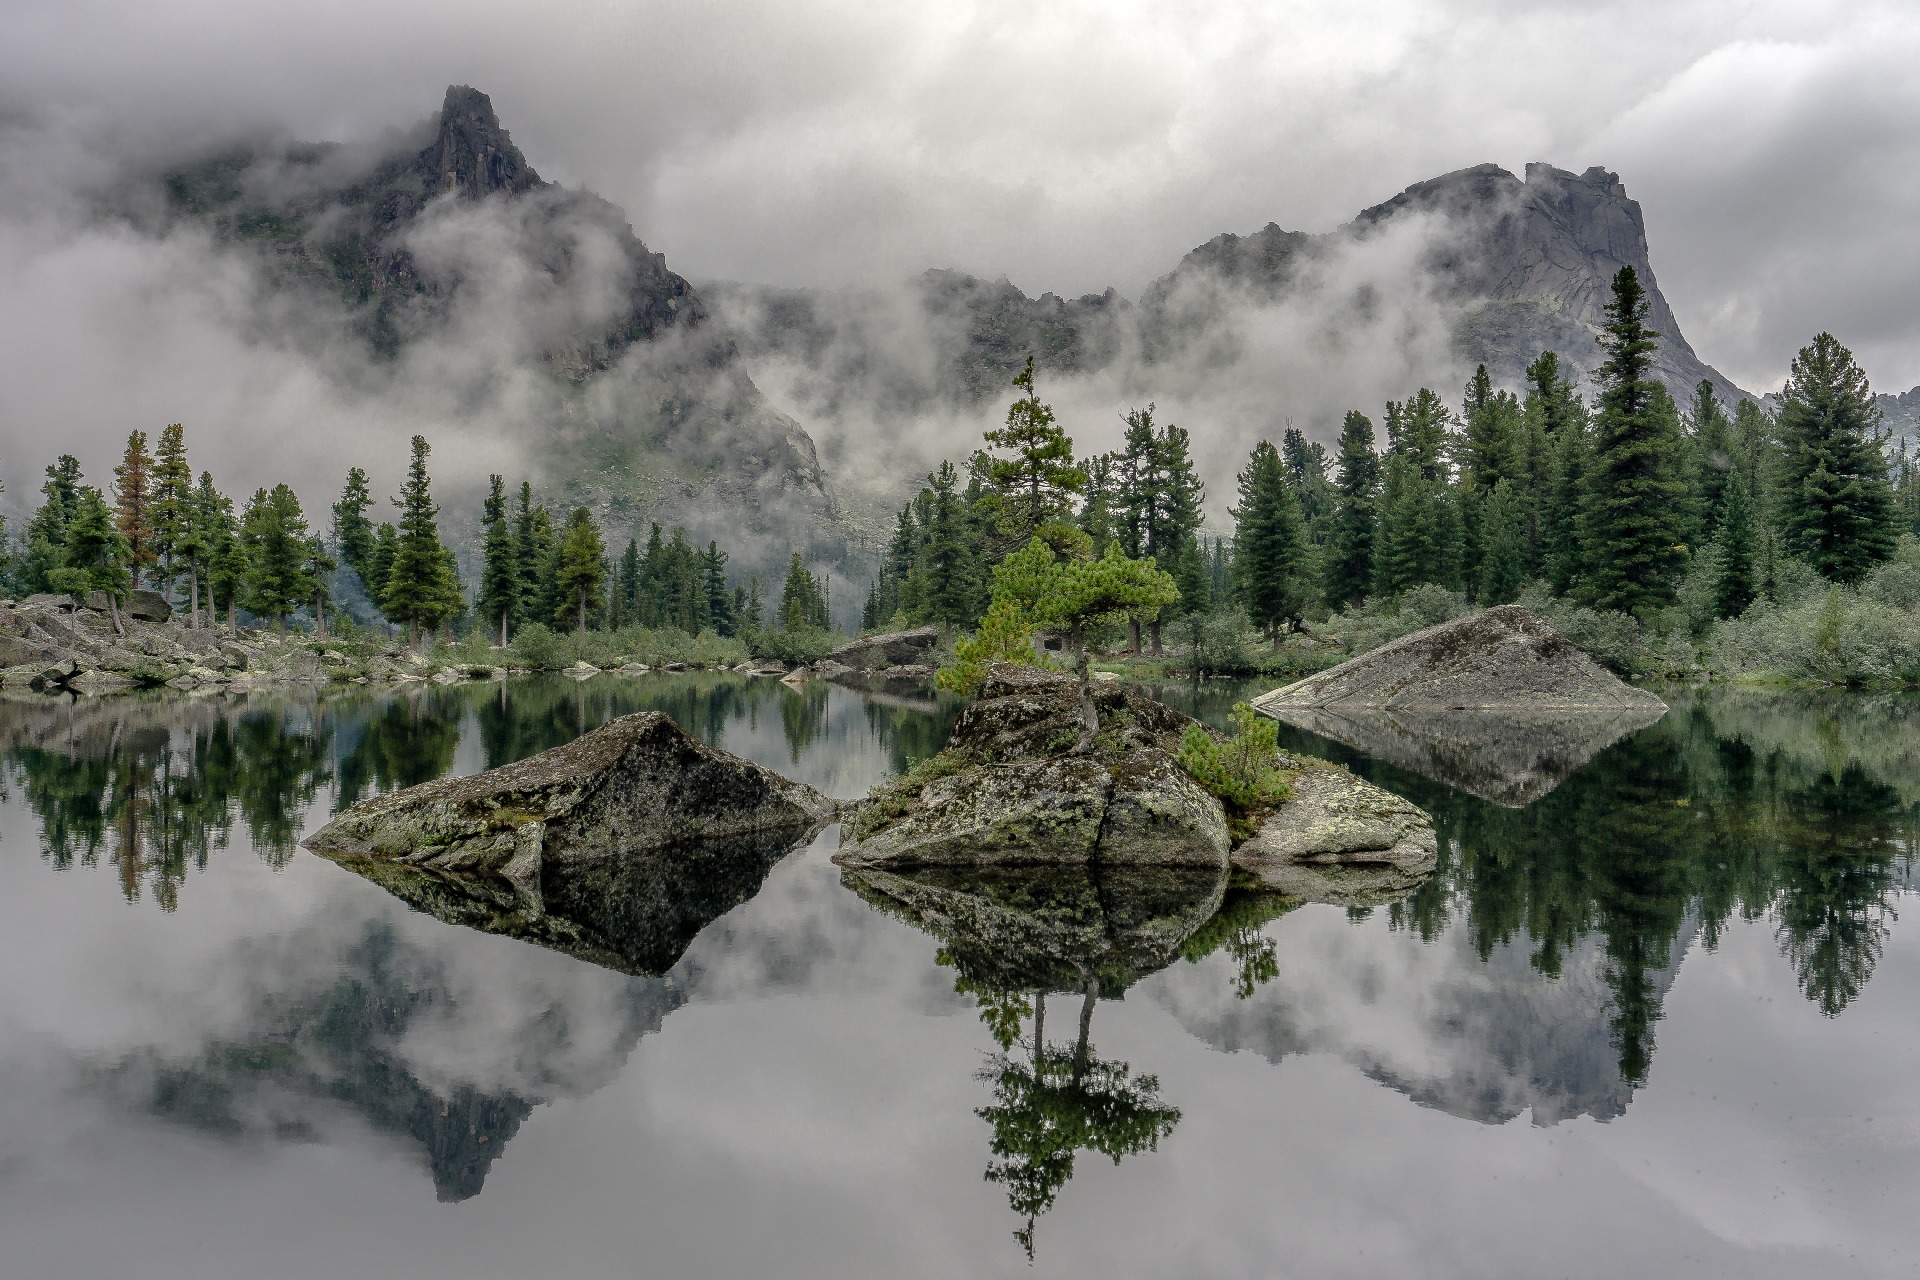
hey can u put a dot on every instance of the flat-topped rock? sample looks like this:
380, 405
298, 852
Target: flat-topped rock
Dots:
1504, 658
889, 649
636, 783
1341, 839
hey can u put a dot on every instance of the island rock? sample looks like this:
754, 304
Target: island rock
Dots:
636, 783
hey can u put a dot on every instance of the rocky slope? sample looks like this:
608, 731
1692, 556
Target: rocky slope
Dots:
639, 403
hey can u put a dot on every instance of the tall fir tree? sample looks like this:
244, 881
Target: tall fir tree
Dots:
1736, 586
580, 569
353, 530
133, 503
226, 553
950, 562
500, 568
46, 532
172, 503
1835, 501
1711, 456
1503, 549
1635, 519
1036, 485
1349, 566
274, 534
95, 554
1269, 544
713, 567
803, 605
419, 591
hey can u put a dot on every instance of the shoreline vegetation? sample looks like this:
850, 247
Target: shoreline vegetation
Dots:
1764, 545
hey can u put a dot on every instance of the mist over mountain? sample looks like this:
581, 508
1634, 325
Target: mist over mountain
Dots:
1244, 334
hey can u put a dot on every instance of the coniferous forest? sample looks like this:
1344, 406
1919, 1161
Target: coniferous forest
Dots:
1669, 537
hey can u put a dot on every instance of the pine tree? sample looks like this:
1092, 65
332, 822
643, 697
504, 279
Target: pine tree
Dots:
386, 546
713, 566
1711, 449
1349, 571
133, 503
1098, 518
530, 539
1503, 559
1418, 535
193, 549
1307, 472
655, 586
950, 563
1174, 520
1735, 589
226, 554
95, 554
581, 568
274, 534
172, 502
419, 590
1635, 514
46, 532
353, 530
318, 567
627, 584
1035, 486
1835, 503
803, 606
500, 570
1270, 553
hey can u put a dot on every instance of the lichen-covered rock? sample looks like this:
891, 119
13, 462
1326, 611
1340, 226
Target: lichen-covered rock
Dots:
635, 783
1030, 811
1340, 830
1507, 657
891, 649
1159, 816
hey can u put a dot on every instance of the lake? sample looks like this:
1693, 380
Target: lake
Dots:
1662, 1020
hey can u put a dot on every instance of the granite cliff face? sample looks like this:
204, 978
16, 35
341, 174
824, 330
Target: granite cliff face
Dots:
637, 401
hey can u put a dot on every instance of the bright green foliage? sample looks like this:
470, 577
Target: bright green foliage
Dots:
353, 530
1244, 771
46, 532
172, 501
1736, 588
1635, 518
1349, 567
500, 568
420, 590
580, 569
1836, 505
94, 553
274, 534
133, 503
1037, 483
1270, 565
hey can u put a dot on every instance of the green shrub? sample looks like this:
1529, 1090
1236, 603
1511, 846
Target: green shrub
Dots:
1244, 771
806, 644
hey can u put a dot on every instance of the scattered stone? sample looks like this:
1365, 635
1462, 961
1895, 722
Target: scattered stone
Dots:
147, 606
639, 782
634, 669
795, 677
582, 670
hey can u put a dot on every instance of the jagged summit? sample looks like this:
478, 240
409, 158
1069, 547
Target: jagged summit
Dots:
471, 153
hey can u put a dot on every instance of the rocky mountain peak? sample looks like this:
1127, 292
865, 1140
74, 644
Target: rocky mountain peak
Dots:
471, 153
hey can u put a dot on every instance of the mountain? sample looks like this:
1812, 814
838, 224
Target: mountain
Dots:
1473, 266
461, 279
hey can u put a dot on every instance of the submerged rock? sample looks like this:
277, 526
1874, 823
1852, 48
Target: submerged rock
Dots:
636, 783
1341, 839
1504, 658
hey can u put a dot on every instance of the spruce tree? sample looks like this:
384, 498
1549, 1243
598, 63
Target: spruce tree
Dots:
1174, 519
803, 606
419, 592
1736, 587
133, 503
46, 532
95, 555
1307, 471
627, 584
580, 569
172, 503
1503, 557
1711, 448
1634, 518
386, 546
713, 566
318, 567
529, 558
226, 554
1270, 552
1098, 517
1835, 503
499, 570
353, 530
1492, 441
1418, 535
950, 562
274, 534
1349, 568
193, 548
1036, 485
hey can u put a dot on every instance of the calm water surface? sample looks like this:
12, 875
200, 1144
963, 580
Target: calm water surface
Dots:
1664, 1021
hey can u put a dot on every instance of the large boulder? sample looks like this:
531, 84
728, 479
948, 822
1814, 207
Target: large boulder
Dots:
148, 606
1010, 789
636, 783
891, 649
1504, 658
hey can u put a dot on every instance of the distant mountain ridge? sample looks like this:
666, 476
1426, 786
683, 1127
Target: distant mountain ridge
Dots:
1518, 265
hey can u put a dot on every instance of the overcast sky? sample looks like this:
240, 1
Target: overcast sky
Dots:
1076, 145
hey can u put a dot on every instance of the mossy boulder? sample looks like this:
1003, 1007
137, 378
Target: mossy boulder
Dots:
636, 783
1340, 837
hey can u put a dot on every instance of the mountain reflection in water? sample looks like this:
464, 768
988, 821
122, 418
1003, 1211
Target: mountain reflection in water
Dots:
1529, 974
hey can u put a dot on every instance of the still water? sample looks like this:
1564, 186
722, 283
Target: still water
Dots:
1664, 1020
